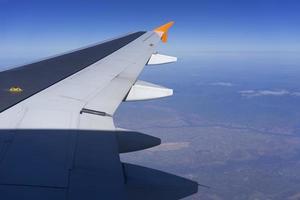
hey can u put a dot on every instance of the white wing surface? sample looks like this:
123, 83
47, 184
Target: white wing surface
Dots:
86, 97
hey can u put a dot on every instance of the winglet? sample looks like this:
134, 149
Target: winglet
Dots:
164, 30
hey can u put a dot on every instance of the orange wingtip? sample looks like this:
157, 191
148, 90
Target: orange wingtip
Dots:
164, 29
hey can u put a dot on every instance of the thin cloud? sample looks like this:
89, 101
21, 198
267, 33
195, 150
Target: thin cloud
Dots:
224, 84
258, 93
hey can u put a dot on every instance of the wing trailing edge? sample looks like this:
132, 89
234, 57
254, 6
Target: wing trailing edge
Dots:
81, 164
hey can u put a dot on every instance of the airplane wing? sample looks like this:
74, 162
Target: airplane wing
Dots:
57, 136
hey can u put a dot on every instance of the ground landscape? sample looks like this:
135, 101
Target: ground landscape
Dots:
232, 125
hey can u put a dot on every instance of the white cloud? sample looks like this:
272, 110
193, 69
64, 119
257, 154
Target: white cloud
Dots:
274, 93
257, 93
245, 92
225, 84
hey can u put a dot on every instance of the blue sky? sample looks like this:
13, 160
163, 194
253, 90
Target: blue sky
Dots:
32, 29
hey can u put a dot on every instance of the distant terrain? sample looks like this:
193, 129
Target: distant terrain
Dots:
232, 124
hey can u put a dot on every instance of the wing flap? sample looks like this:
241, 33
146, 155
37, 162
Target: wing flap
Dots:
17, 192
147, 184
75, 165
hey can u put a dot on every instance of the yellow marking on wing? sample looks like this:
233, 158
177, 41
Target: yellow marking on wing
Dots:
15, 89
